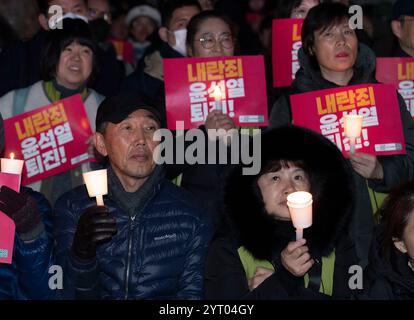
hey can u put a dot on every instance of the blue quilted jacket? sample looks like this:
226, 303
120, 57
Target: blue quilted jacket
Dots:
158, 253
28, 275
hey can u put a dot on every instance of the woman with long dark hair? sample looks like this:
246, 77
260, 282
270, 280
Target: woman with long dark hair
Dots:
390, 274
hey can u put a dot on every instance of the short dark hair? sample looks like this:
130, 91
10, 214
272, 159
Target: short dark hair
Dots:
172, 5
321, 17
395, 213
195, 22
74, 30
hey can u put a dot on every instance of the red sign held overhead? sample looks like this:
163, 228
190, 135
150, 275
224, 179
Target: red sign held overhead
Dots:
323, 111
235, 85
50, 139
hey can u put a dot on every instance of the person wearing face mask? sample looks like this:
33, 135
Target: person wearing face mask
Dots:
148, 77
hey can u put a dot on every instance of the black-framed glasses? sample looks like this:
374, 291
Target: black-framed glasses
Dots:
209, 42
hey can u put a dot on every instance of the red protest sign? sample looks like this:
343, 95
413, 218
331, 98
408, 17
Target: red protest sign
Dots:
7, 229
399, 72
286, 42
195, 86
50, 139
323, 111
10, 180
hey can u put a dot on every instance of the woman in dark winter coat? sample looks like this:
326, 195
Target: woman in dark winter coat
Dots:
209, 34
390, 274
255, 256
330, 58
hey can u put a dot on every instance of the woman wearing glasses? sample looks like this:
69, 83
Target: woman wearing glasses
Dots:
208, 35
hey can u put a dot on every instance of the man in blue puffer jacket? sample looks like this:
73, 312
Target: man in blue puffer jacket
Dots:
28, 275
149, 241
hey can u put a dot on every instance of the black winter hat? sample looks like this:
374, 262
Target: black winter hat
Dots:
116, 109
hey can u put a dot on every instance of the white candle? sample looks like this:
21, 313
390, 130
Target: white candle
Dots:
353, 128
217, 98
97, 184
300, 208
12, 165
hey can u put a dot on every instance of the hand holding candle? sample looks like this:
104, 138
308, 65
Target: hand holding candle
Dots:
12, 165
353, 128
300, 208
97, 184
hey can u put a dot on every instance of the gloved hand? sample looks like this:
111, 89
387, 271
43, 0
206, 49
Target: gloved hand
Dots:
95, 227
21, 208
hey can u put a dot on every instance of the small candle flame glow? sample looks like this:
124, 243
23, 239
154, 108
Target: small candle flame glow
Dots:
12, 155
217, 93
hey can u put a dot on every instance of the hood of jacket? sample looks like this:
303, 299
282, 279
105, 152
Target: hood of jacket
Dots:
308, 78
331, 187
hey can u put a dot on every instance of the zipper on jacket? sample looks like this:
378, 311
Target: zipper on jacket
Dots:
131, 220
129, 257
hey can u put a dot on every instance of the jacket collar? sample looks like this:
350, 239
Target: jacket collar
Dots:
131, 201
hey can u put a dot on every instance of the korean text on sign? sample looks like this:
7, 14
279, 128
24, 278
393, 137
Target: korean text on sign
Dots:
42, 137
323, 111
205, 77
359, 101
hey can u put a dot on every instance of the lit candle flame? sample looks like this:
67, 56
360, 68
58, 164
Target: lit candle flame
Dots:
217, 93
12, 155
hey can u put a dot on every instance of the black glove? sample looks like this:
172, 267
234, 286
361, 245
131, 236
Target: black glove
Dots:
21, 208
95, 227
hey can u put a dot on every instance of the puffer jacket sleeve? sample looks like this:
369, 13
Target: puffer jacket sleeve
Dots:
398, 168
191, 282
80, 279
35, 257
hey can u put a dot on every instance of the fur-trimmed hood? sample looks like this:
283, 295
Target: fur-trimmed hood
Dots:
331, 186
